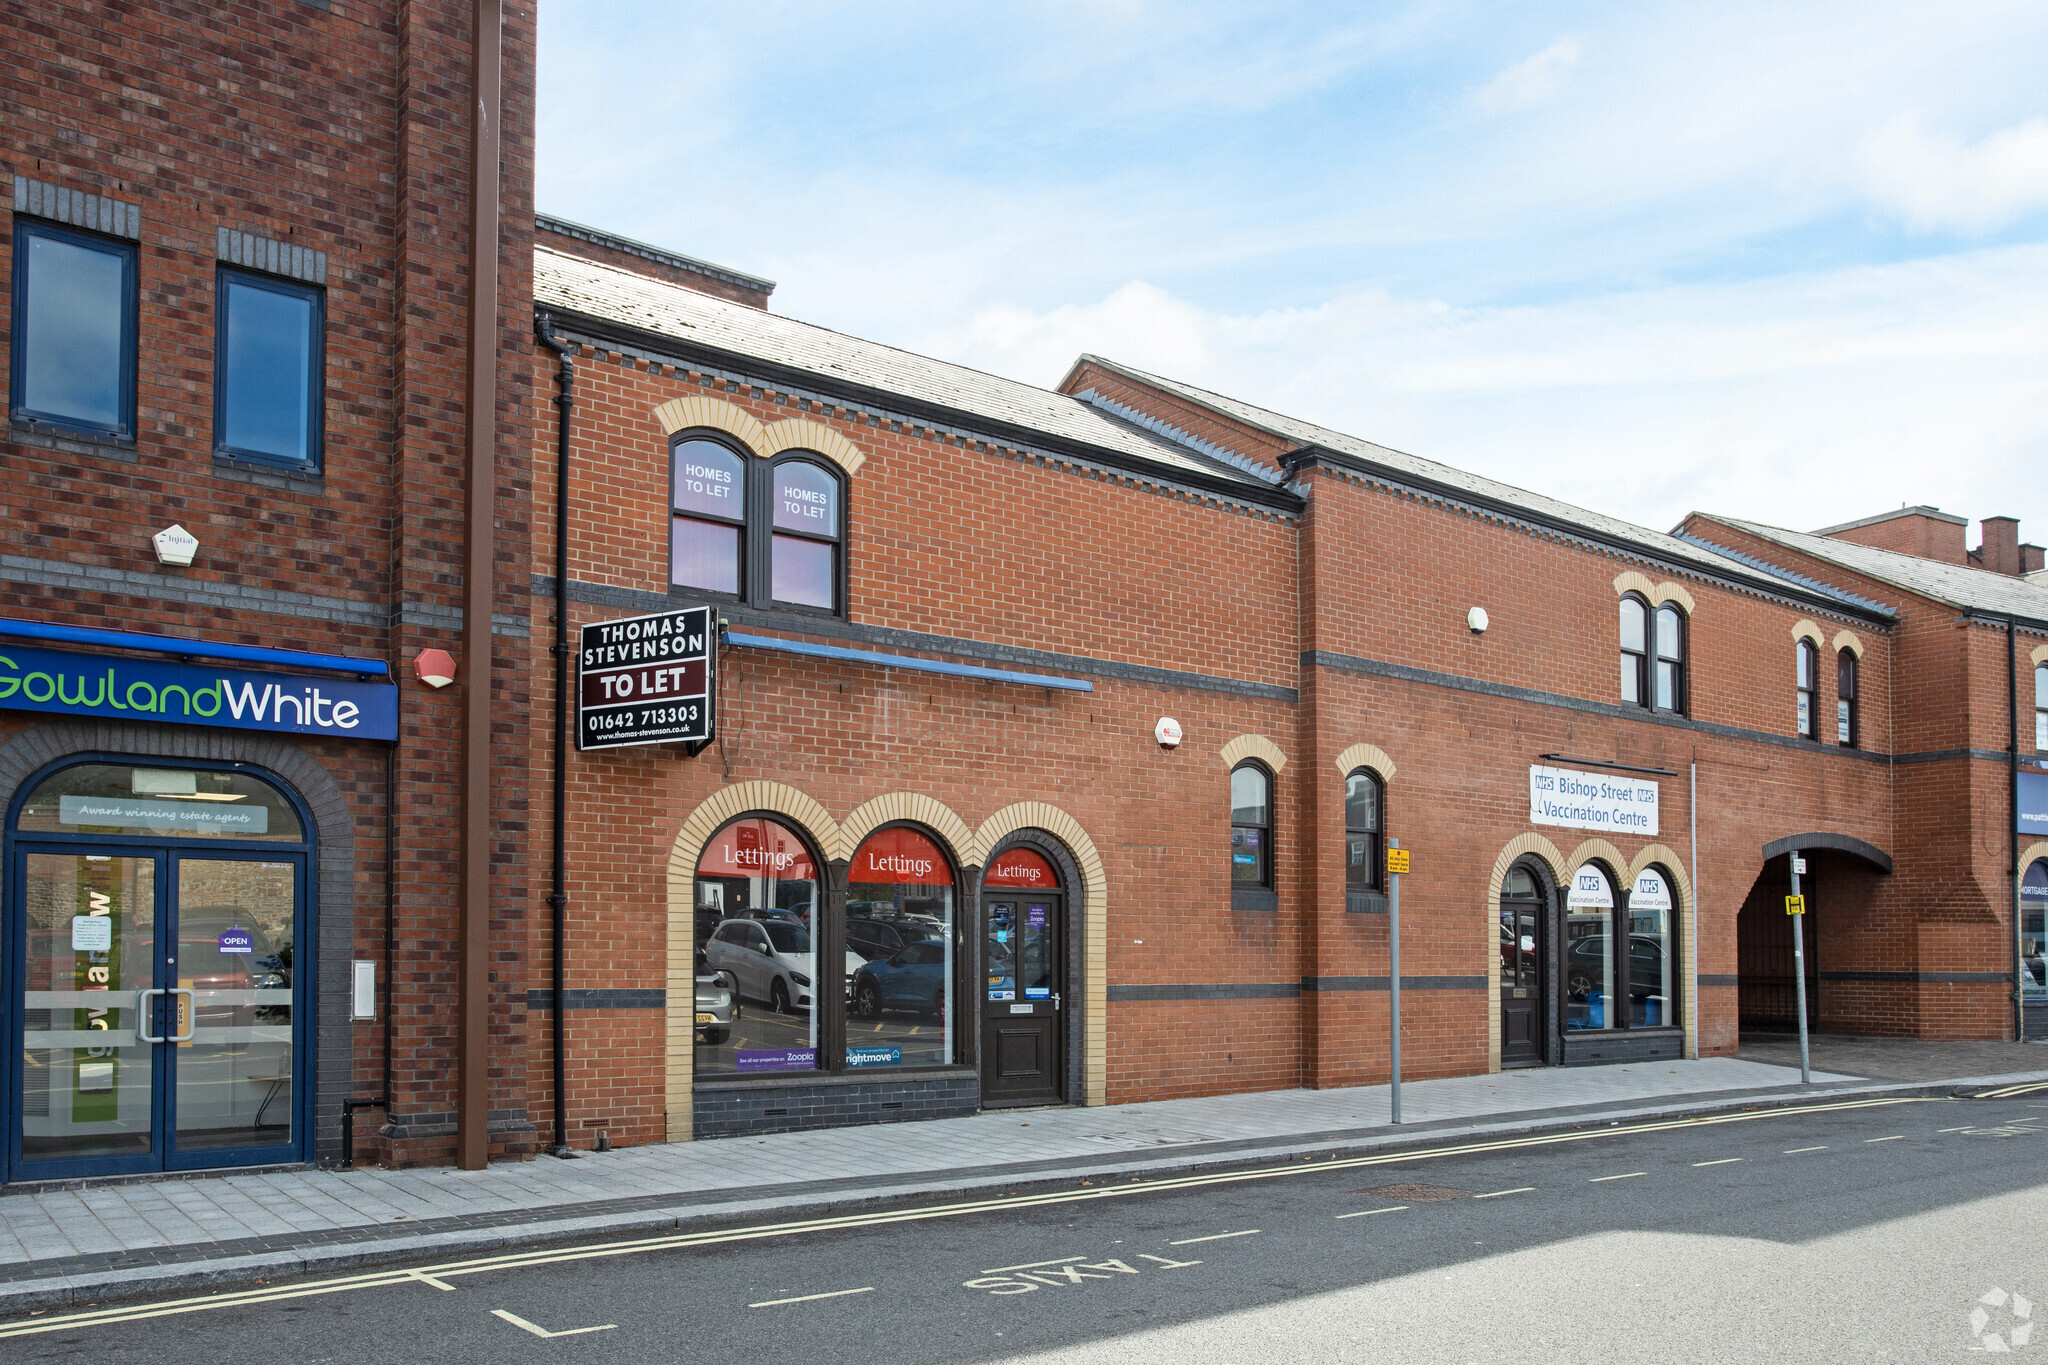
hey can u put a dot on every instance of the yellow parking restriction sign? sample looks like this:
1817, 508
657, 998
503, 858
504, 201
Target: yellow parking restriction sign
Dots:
1397, 860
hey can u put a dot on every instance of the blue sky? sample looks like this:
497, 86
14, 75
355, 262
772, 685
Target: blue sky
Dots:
1784, 261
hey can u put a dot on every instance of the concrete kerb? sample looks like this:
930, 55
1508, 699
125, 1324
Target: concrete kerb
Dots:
96, 1287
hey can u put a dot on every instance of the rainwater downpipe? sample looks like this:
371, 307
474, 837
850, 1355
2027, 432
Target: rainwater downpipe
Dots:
558, 898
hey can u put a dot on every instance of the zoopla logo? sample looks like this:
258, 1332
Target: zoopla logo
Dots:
2002, 1332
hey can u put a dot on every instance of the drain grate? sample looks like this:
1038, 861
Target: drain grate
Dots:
1416, 1194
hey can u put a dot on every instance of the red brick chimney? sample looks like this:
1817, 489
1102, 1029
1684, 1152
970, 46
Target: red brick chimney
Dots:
1999, 550
1927, 532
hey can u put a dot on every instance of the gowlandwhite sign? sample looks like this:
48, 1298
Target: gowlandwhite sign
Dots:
1576, 800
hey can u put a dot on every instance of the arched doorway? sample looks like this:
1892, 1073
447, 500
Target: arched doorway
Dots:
159, 968
1024, 1000
1524, 942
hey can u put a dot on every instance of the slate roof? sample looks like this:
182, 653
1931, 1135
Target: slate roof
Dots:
572, 284
1976, 590
1397, 463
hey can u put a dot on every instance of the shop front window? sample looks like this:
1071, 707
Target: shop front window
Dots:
1589, 950
2033, 943
899, 952
758, 900
1651, 915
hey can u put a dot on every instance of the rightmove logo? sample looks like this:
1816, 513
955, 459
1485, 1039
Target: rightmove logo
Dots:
2001, 1322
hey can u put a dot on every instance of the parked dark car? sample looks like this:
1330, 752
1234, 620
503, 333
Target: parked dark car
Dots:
913, 979
876, 938
1645, 968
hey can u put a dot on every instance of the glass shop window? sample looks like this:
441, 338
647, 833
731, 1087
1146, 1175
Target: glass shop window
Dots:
900, 939
758, 900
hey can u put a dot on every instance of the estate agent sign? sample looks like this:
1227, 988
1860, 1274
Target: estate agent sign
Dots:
1617, 804
646, 680
190, 694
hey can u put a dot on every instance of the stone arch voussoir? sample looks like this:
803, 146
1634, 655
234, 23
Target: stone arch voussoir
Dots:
1253, 746
801, 433
697, 411
1366, 756
916, 808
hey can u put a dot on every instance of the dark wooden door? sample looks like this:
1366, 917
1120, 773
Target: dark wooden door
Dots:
1522, 935
1023, 999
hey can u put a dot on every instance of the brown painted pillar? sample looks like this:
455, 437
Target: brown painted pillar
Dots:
473, 1137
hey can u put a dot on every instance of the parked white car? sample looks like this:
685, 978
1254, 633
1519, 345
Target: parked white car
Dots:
769, 959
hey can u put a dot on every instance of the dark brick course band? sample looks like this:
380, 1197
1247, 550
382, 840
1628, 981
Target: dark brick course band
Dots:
1926, 978
736, 1110
1229, 990
1379, 983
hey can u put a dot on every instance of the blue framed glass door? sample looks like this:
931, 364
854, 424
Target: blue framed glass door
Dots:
155, 1003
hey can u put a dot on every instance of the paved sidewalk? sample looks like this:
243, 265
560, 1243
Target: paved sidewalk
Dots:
70, 1244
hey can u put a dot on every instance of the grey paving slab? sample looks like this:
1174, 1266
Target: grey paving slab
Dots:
191, 1213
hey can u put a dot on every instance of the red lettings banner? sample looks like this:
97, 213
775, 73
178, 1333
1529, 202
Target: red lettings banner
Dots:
1022, 867
900, 857
757, 848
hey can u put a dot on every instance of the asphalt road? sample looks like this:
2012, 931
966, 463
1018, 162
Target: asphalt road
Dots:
1824, 1234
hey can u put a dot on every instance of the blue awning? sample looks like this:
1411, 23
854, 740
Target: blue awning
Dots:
197, 649
869, 656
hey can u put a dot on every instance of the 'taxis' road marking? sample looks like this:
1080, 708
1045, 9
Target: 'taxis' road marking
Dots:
482, 1265
806, 1298
538, 1331
1630, 1176
1215, 1237
1367, 1213
1032, 1265
1722, 1162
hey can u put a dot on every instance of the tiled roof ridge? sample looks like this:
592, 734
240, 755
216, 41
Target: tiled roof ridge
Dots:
1788, 575
1139, 417
583, 232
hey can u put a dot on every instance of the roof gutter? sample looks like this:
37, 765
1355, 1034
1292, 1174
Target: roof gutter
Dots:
584, 326
1308, 456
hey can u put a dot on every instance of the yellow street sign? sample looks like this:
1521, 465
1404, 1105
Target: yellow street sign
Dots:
1795, 905
1397, 860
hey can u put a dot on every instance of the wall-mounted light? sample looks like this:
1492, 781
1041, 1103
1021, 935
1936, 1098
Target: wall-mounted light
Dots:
174, 545
434, 667
1476, 618
1167, 732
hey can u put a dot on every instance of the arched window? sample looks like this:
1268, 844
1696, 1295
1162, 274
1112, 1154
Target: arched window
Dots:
1589, 950
1635, 652
707, 528
899, 952
758, 898
1847, 731
804, 549
2033, 942
2041, 708
1251, 828
1670, 659
1365, 836
1652, 952
1809, 682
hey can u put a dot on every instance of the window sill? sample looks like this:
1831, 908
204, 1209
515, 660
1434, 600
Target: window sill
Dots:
782, 1080
268, 475
49, 436
1364, 902
1254, 898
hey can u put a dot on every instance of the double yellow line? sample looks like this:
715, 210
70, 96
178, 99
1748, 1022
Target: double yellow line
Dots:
2010, 1091
436, 1276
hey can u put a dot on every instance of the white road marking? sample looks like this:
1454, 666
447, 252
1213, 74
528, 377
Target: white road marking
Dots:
1795, 1151
1630, 1176
1722, 1162
499, 1262
1031, 1265
1367, 1213
1893, 1138
806, 1298
1214, 1237
1964, 1129
539, 1331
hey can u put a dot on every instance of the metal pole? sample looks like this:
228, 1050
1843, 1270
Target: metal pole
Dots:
1799, 972
1394, 972
1692, 986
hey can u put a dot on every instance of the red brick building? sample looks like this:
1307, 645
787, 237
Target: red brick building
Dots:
1060, 736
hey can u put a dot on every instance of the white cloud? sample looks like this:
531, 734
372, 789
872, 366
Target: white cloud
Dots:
1530, 81
1935, 182
1802, 400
